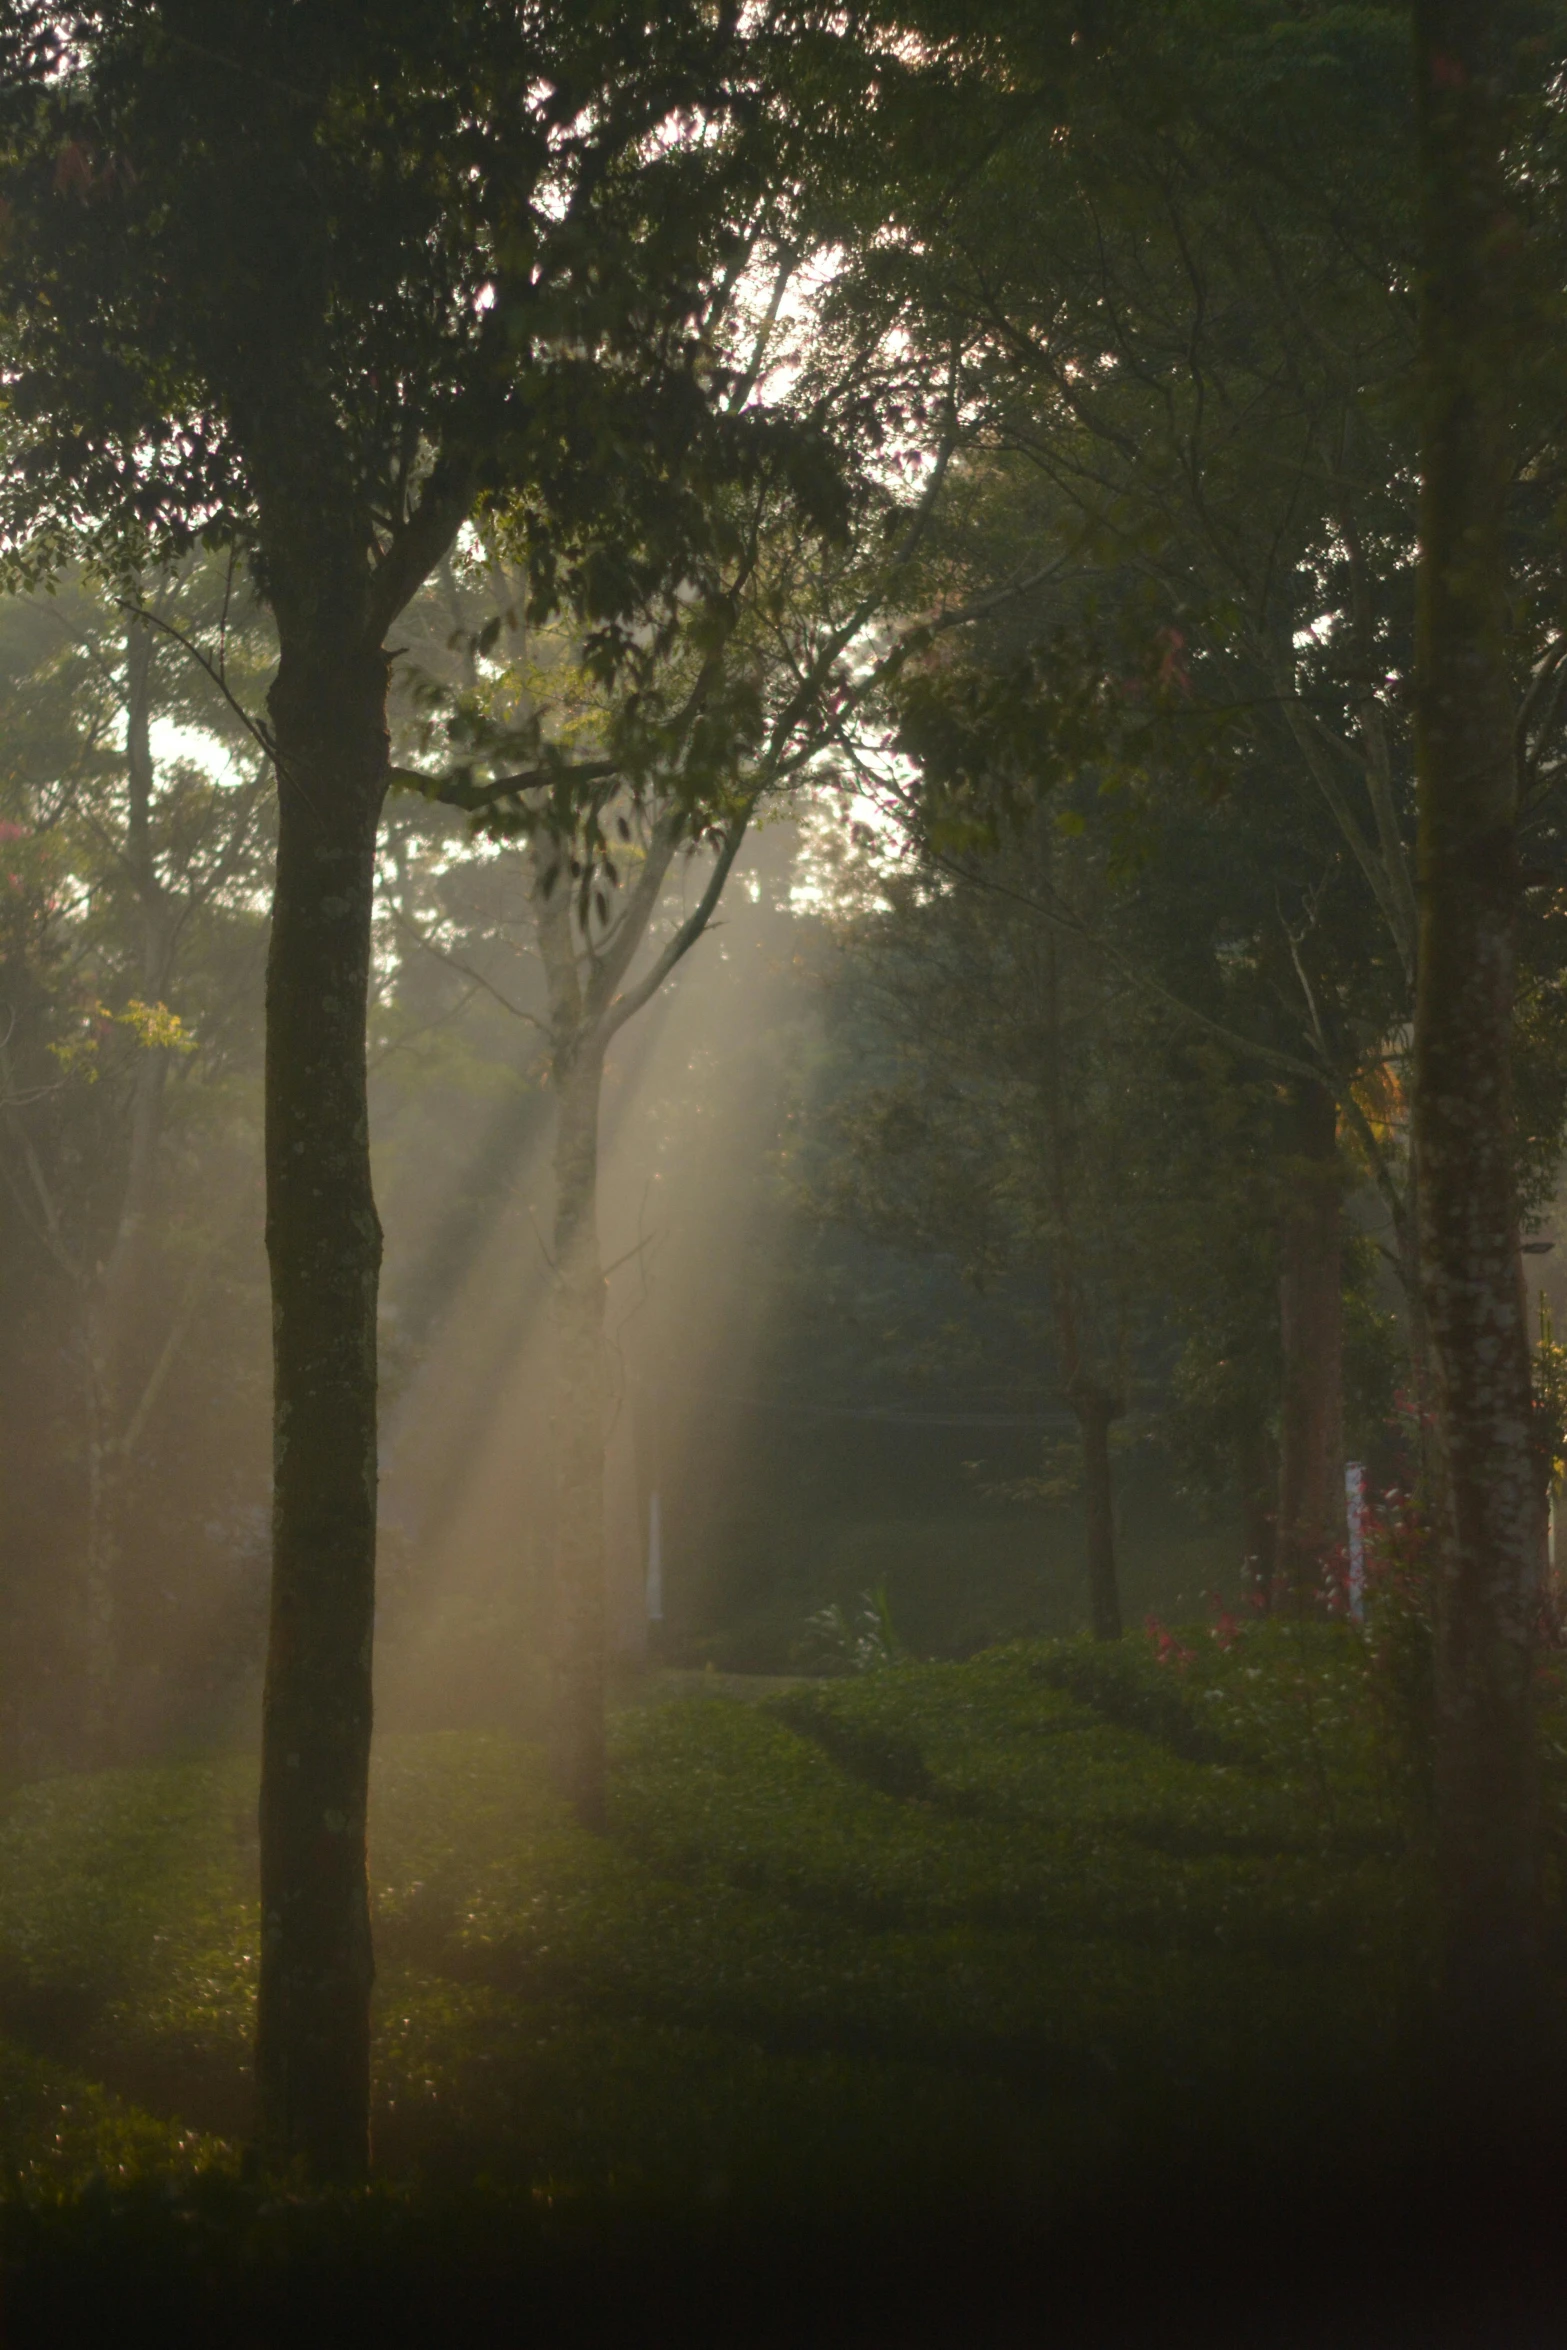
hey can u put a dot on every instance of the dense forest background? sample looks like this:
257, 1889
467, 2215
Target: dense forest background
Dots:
819, 1410
828, 1360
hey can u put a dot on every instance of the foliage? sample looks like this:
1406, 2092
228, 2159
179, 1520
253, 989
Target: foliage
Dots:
1190, 368
137, 834
935, 1940
957, 1902
1400, 1637
854, 1638
1124, 1684
1148, 294
430, 263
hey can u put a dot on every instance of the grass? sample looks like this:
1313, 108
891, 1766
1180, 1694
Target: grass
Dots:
972, 1936
958, 1892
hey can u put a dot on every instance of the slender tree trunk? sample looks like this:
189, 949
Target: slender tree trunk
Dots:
113, 1291
324, 1249
577, 1690
1311, 1320
159, 927
98, 1565
1259, 1483
583, 977
648, 1481
1096, 1412
108, 1316
1092, 1400
1544, 1449
1422, 1374
1486, 1778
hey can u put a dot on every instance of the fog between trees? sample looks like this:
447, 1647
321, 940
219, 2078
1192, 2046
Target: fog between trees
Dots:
780, 896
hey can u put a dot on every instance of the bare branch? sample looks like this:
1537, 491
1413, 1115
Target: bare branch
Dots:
138, 610
405, 922
626, 1006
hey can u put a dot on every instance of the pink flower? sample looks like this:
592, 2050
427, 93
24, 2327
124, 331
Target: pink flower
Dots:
1167, 1649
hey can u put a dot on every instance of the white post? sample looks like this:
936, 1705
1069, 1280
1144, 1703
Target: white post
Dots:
1355, 1515
655, 1562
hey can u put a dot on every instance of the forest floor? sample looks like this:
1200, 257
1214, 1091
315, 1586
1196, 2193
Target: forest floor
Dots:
1010, 1955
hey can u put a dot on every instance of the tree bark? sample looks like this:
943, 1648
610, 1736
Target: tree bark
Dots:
159, 926
99, 1557
587, 1010
1422, 1377
112, 1290
1487, 1806
1311, 1326
324, 1250
1096, 1412
1259, 1482
576, 1730
1093, 1400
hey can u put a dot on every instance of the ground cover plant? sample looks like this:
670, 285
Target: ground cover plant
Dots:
986, 1937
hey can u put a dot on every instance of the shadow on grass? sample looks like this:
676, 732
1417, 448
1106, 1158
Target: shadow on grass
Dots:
1390, 2247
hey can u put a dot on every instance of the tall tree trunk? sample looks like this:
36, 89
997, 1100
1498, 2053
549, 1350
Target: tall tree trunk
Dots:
648, 1474
577, 1690
1092, 1399
1258, 1466
1311, 1326
1422, 1375
584, 978
159, 919
1096, 1412
324, 1248
99, 1579
1486, 1778
114, 1288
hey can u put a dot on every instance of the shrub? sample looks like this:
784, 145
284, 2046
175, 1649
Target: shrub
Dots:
1125, 1685
854, 1639
1400, 1641
872, 1752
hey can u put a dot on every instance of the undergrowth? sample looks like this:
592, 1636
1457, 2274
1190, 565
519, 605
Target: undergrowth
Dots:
960, 1933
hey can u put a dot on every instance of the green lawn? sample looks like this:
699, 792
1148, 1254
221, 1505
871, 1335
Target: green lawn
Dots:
964, 1928
1116, 1962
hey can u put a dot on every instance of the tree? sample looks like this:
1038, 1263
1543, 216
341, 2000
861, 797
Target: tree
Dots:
311, 284
1179, 271
130, 871
1198, 286
587, 914
988, 1108
1467, 759
720, 718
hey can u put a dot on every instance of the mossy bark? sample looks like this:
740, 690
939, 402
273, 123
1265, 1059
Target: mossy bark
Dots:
1097, 1412
324, 1250
1487, 1824
1258, 1470
1092, 1395
1311, 1329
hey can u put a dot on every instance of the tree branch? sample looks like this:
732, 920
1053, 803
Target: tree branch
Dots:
625, 1007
